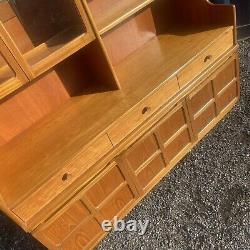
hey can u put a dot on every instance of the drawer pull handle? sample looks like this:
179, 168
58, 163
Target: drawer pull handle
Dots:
66, 177
208, 58
146, 110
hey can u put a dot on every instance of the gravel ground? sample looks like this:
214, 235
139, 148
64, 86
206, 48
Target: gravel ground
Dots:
203, 204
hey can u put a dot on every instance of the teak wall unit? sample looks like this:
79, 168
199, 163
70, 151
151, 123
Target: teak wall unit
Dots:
99, 100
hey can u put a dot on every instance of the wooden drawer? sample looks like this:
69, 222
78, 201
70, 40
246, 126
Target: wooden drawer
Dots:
206, 58
55, 233
35, 203
131, 120
109, 194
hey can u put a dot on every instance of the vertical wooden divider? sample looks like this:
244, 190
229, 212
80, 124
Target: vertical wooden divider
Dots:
15, 52
98, 36
13, 64
188, 121
128, 175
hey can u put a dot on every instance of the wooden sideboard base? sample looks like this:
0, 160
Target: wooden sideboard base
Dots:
120, 207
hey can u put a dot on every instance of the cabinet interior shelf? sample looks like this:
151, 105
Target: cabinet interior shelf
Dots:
56, 49
107, 14
81, 118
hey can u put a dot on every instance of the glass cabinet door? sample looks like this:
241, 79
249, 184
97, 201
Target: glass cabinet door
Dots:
11, 75
44, 32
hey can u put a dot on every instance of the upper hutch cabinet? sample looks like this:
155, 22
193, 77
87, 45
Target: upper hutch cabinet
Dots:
42, 33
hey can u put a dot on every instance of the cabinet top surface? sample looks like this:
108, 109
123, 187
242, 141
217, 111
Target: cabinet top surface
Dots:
62, 135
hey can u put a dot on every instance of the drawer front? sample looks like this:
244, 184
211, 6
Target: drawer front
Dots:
206, 58
110, 195
56, 232
64, 178
174, 133
142, 111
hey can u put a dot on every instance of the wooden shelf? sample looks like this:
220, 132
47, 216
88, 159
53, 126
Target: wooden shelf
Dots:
163, 55
55, 50
107, 17
42, 34
60, 136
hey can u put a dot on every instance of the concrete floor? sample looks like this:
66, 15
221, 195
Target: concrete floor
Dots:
203, 204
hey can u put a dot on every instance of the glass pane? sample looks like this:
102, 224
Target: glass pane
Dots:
6, 73
40, 27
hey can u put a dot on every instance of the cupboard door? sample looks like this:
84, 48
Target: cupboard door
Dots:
201, 105
144, 162
110, 194
11, 75
174, 134
225, 85
42, 33
75, 227
212, 96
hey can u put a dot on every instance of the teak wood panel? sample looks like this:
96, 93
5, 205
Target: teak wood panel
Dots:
150, 156
144, 161
74, 229
110, 194
141, 27
206, 58
175, 134
209, 99
28, 106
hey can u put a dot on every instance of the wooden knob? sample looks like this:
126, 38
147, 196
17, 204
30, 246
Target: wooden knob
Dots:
208, 58
145, 110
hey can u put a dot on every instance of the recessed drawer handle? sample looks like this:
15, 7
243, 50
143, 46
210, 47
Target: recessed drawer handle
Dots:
146, 110
208, 58
66, 177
